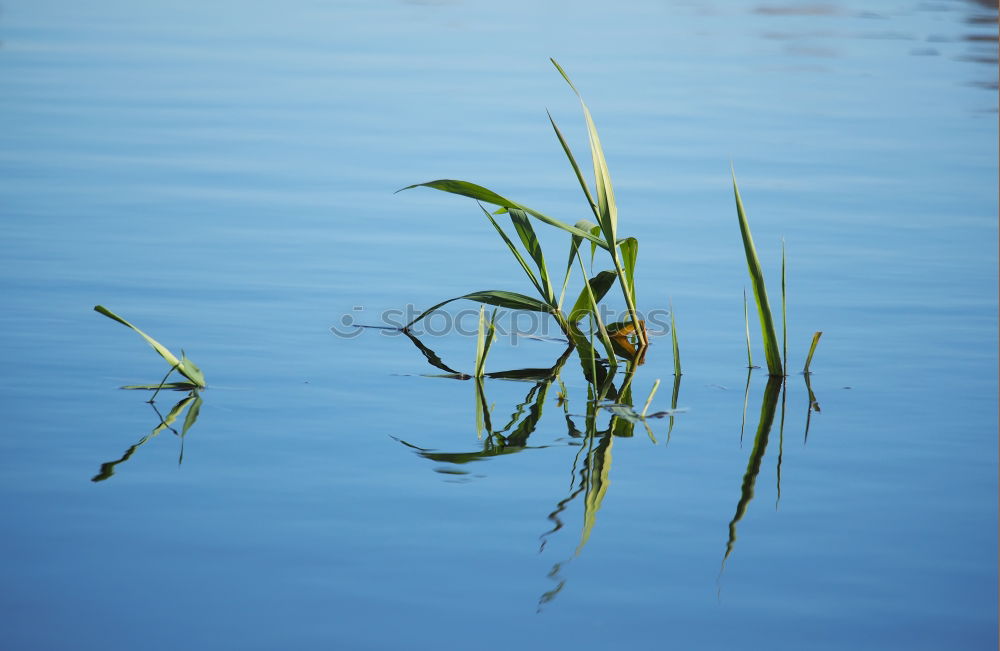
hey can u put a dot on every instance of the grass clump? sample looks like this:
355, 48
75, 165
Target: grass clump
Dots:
603, 234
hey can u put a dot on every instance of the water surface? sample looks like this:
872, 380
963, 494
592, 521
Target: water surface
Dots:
222, 175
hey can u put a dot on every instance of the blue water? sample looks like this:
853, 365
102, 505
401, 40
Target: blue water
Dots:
223, 175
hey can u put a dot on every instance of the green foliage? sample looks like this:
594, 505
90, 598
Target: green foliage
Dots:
184, 366
605, 209
623, 252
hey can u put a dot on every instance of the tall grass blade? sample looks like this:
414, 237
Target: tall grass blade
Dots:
812, 349
184, 366
471, 190
576, 167
607, 210
771, 351
606, 207
673, 341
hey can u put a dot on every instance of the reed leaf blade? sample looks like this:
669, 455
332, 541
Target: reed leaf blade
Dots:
495, 297
607, 209
772, 352
812, 349
513, 249
576, 167
673, 342
534, 248
630, 251
478, 192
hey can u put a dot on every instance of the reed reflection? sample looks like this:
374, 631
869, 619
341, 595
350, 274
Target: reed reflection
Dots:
592, 422
191, 404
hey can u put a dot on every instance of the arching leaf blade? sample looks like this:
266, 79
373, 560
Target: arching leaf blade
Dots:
473, 191
496, 297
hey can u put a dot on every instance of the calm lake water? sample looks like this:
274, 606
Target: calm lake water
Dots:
222, 174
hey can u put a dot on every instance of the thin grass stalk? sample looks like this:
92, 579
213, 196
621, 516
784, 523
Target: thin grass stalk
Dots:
784, 315
746, 319
162, 382
673, 341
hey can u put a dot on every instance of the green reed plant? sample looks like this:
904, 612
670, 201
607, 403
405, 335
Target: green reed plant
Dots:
772, 353
623, 253
603, 234
538, 274
184, 366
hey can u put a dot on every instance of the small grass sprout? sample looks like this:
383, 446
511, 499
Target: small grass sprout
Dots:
812, 349
484, 340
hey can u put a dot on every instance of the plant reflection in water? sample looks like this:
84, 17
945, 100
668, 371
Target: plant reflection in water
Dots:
610, 394
191, 403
